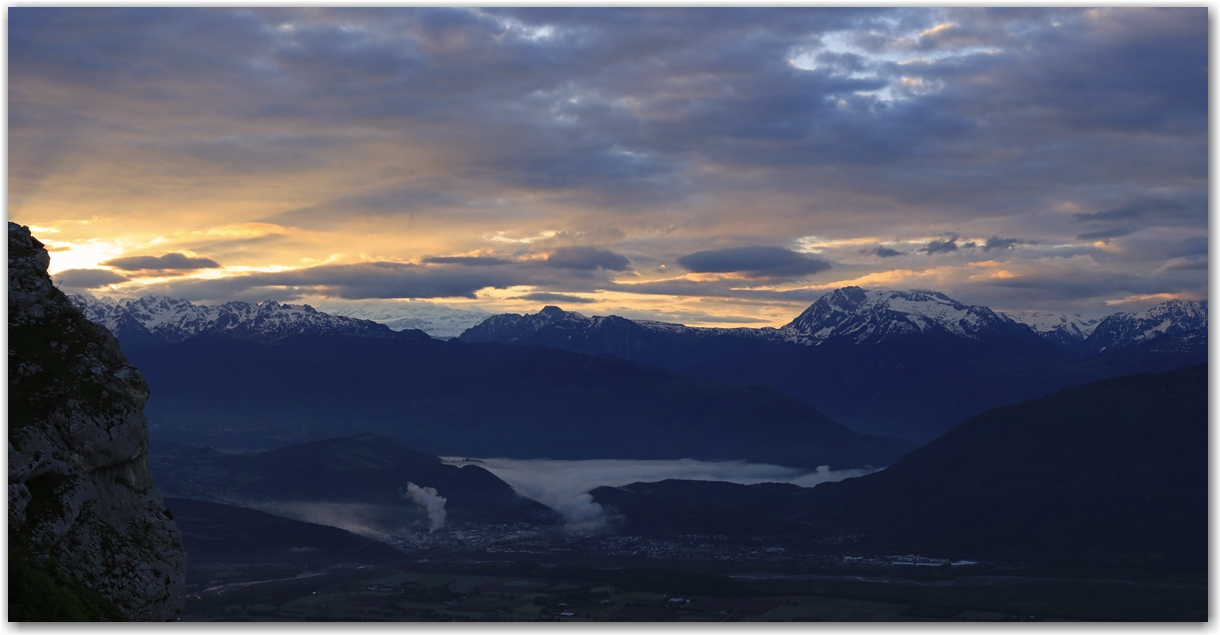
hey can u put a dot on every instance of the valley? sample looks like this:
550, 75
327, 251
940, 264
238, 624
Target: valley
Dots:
772, 551
609, 314
1027, 499
456, 585
613, 489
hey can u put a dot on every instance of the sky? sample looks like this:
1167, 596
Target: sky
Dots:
713, 167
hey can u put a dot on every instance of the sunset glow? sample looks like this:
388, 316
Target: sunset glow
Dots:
711, 167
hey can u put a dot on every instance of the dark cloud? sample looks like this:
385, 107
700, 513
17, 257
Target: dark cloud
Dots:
996, 242
371, 280
714, 289
469, 261
754, 262
1095, 284
87, 278
168, 262
1151, 209
385, 280
1105, 234
376, 203
587, 258
1195, 245
561, 298
886, 252
664, 122
941, 246
1190, 265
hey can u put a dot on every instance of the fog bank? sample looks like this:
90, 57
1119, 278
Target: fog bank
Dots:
564, 485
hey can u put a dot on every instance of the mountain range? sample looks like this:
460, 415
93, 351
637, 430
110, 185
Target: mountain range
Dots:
859, 316
153, 320
900, 363
452, 398
850, 313
907, 364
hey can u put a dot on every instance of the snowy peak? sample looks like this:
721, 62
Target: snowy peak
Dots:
1168, 319
154, 320
552, 326
860, 315
529, 323
1074, 325
514, 328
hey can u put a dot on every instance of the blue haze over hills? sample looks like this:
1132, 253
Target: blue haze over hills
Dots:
906, 364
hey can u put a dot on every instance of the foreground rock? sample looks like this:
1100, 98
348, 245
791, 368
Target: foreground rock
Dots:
84, 517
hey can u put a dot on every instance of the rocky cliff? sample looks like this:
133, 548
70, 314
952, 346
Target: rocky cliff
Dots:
89, 537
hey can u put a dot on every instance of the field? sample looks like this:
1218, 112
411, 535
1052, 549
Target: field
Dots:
455, 590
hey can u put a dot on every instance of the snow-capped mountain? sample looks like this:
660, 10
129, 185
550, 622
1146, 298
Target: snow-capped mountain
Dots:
1168, 319
872, 316
437, 320
1066, 331
600, 334
852, 315
161, 320
1074, 324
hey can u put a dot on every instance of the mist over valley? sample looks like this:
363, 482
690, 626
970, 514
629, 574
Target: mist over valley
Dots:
608, 314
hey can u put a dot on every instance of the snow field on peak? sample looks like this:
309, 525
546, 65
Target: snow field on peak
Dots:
1045, 322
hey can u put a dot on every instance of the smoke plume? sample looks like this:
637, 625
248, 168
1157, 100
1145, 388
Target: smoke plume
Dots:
432, 503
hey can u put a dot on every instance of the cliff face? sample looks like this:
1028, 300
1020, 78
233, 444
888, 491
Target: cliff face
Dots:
82, 505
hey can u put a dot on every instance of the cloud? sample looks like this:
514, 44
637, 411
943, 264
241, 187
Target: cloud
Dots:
1150, 209
387, 280
564, 485
679, 316
996, 242
1105, 234
554, 297
167, 262
403, 132
941, 246
88, 278
1195, 245
368, 280
713, 288
754, 262
1188, 265
1065, 283
587, 258
886, 252
469, 261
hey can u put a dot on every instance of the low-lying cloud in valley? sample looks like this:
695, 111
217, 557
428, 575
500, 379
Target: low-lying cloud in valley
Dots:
564, 485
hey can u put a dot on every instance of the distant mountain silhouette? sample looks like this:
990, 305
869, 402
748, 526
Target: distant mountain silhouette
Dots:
153, 320
1113, 472
481, 400
900, 363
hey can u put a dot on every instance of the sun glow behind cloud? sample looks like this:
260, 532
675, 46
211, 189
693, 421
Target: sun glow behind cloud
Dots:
900, 147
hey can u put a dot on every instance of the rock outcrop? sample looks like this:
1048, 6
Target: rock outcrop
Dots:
82, 504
